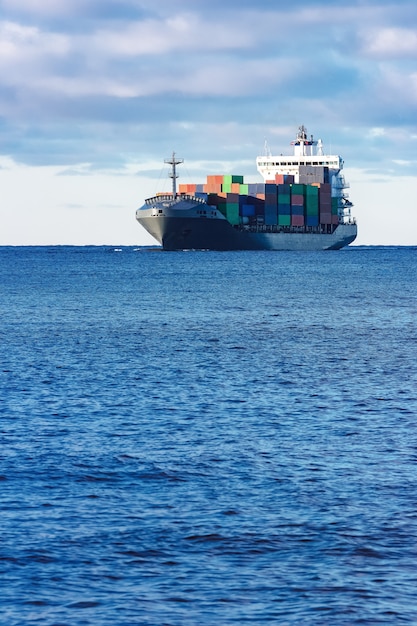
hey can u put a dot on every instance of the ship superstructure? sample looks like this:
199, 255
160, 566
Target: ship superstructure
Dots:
301, 205
309, 165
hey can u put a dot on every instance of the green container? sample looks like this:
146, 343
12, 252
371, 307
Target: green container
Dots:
244, 189
227, 187
335, 206
232, 212
312, 190
298, 189
312, 201
284, 220
232, 178
312, 209
284, 198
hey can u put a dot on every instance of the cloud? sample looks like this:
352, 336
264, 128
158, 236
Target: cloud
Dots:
390, 43
104, 80
22, 43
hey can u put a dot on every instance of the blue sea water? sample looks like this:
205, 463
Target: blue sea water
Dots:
207, 438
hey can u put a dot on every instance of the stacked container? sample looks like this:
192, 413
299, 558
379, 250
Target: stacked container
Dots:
298, 205
278, 202
270, 203
325, 198
312, 205
284, 203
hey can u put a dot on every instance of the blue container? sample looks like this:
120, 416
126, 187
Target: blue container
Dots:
259, 207
284, 209
297, 209
285, 188
271, 216
312, 220
270, 189
247, 210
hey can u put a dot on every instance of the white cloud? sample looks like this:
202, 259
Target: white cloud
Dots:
376, 132
390, 42
159, 37
25, 44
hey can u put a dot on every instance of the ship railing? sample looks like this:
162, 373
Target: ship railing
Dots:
170, 198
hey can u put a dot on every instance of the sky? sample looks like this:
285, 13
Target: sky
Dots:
95, 94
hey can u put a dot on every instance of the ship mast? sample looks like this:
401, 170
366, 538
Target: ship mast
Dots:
174, 162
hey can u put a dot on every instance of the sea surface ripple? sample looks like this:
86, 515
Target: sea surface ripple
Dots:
206, 438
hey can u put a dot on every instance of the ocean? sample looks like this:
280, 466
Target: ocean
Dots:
208, 438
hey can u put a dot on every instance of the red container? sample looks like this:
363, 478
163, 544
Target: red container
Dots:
335, 219
325, 218
297, 199
297, 220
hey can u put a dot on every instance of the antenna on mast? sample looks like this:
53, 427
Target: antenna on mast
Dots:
174, 162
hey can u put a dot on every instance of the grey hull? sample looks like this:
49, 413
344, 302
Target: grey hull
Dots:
182, 233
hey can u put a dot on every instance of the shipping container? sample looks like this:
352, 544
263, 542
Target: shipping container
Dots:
284, 209
271, 199
231, 211
284, 220
215, 179
297, 189
212, 188
335, 219
284, 189
244, 189
297, 199
270, 189
270, 214
284, 198
312, 220
297, 220
281, 179
296, 209
232, 178
247, 210
325, 218
255, 188
309, 174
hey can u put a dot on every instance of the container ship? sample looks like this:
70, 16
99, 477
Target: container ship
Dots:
302, 204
